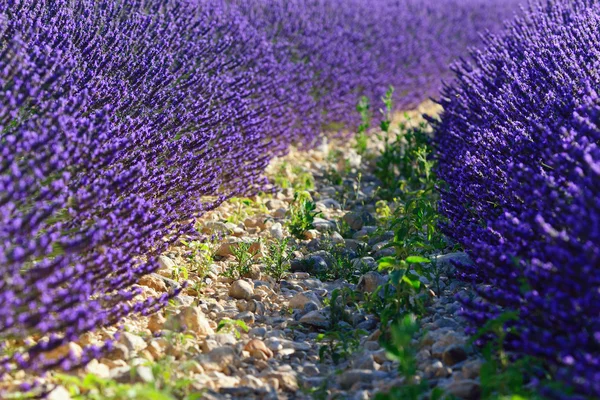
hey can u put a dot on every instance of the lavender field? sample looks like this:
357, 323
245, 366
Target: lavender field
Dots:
311, 199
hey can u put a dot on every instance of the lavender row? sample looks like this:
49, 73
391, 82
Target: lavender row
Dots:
123, 120
519, 151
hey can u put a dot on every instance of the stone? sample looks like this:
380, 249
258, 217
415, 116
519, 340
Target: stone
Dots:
280, 213
444, 341
98, 369
315, 318
165, 266
328, 204
246, 316
59, 393
311, 264
300, 300
364, 361
255, 222
454, 354
274, 343
347, 379
144, 373
437, 370
385, 252
371, 345
258, 349
364, 233
216, 227
258, 332
447, 260
310, 370
446, 322
118, 352
301, 346
156, 322
276, 231
223, 339
71, 349
356, 220
223, 357
364, 263
323, 225
471, 369
286, 380
336, 238
251, 381
133, 342
464, 389
154, 282
386, 236
274, 204
194, 320
370, 281
311, 234
241, 289
121, 374
311, 306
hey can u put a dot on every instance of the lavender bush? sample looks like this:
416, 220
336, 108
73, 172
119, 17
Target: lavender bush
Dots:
518, 148
122, 120
339, 50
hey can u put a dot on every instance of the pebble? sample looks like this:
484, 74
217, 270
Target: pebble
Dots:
453, 355
347, 379
258, 349
276, 230
370, 281
134, 343
241, 289
165, 266
464, 389
315, 318
300, 300
258, 332
356, 220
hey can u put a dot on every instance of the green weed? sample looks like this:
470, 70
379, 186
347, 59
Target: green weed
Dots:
302, 214
277, 260
244, 259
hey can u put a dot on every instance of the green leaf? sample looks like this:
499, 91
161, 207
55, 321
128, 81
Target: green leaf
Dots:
412, 281
417, 260
387, 263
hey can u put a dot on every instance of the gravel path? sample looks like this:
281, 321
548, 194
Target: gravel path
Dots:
281, 349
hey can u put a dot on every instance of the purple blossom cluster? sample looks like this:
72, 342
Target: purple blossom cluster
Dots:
343, 49
121, 121
519, 152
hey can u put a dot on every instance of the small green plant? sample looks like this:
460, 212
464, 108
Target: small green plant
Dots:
399, 348
200, 255
244, 258
403, 293
303, 180
170, 381
232, 326
332, 176
243, 210
293, 177
339, 344
386, 112
277, 260
302, 214
383, 210
363, 108
340, 340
